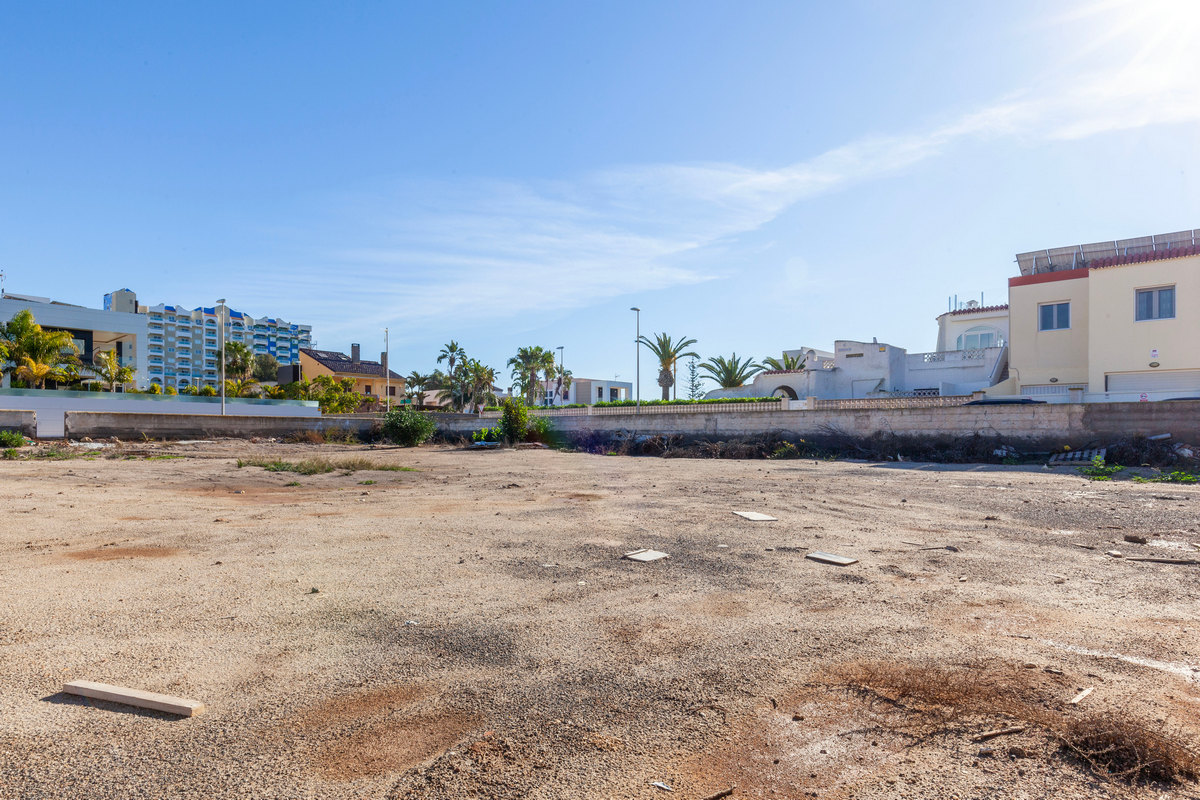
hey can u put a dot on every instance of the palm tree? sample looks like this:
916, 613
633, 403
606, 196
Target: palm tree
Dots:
527, 364
565, 379
37, 373
417, 386
667, 351
241, 387
731, 373
788, 364
107, 367
452, 354
239, 361
481, 379
24, 339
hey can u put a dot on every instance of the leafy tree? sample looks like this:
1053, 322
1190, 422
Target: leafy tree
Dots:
667, 351
24, 339
239, 361
154, 388
191, 390
107, 367
335, 395
170, 391
266, 368
731, 373
514, 420
786, 364
207, 391
275, 392
695, 390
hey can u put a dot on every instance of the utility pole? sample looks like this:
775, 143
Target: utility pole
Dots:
387, 371
638, 344
221, 348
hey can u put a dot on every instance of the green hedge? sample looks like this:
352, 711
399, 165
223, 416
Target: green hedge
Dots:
690, 402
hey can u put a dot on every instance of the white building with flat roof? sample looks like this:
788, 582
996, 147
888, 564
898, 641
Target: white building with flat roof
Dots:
94, 330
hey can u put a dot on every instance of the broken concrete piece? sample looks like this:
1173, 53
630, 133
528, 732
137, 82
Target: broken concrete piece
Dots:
755, 516
831, 558
1074, 701
646, 554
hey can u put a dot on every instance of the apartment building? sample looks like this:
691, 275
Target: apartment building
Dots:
1115, 320
182, 344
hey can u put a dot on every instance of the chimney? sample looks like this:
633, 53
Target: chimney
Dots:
355, 353
383, 360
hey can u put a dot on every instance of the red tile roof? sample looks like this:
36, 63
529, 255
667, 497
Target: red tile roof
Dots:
1139, 258
979, 310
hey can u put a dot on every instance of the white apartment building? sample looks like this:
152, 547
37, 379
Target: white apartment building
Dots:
182, 344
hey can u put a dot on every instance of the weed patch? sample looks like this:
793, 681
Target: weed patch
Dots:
320, 466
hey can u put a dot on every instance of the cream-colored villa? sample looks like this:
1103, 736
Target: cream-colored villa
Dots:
1115, 320
1109, 321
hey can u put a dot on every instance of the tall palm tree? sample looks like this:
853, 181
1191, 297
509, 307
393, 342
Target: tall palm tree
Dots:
668, 352
527, 365
731, 373
481, 379
23, 338
787, 364
107, 367
452, 354
239, 361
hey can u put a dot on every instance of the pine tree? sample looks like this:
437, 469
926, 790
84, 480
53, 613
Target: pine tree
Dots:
694, 390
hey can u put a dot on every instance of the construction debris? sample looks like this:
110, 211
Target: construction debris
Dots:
646, 554
721, 794
661, 785
831, 558
135, 697
1164, 560
983, 737
1077, 456
1134, 538
754, 516
1077, 699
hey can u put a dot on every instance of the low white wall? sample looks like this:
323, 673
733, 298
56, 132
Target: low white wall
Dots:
52, 405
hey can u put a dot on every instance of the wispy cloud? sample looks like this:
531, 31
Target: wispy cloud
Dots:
444, 250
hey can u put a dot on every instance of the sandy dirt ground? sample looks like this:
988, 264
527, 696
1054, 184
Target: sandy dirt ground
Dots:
470, 629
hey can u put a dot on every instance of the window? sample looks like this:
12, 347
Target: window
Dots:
1156, 303
366, 388
1054, 316
599, 392
392, 391
979, 338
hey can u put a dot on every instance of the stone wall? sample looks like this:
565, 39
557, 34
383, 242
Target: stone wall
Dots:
23, 421
1049, 425
104, 424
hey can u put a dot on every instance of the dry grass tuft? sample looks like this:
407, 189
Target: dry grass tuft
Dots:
305, 437
1114, 744
320, 466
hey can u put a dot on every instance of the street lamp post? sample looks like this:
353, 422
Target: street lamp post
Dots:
638, 344
221, 348
560, 371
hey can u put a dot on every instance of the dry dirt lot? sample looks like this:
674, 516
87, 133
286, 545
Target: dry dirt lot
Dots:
475, 632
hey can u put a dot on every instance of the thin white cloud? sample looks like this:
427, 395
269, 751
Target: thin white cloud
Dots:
448, 250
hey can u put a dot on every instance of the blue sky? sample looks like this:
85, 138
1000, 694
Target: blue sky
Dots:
759, 176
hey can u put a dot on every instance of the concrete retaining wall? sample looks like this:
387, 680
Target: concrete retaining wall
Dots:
104, 424
1050, 425
23, 421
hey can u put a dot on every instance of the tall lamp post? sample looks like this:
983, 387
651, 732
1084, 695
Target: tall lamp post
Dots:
221, 348
560, 370
638, 344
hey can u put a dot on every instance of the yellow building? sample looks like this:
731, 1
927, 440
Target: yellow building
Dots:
368, 376
1118, 320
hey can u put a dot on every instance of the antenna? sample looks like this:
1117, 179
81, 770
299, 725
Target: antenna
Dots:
1, 283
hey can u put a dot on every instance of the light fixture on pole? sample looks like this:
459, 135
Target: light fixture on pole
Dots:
638, 344
221, 348
560, 371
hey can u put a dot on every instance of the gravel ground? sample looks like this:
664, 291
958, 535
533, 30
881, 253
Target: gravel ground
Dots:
474, 631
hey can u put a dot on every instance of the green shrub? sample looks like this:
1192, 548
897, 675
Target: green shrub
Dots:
11, 453
1099, 471
514, 420
11, 439
541, 429
486, 435
406, 427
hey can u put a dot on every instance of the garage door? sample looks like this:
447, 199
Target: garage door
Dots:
1182, 380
